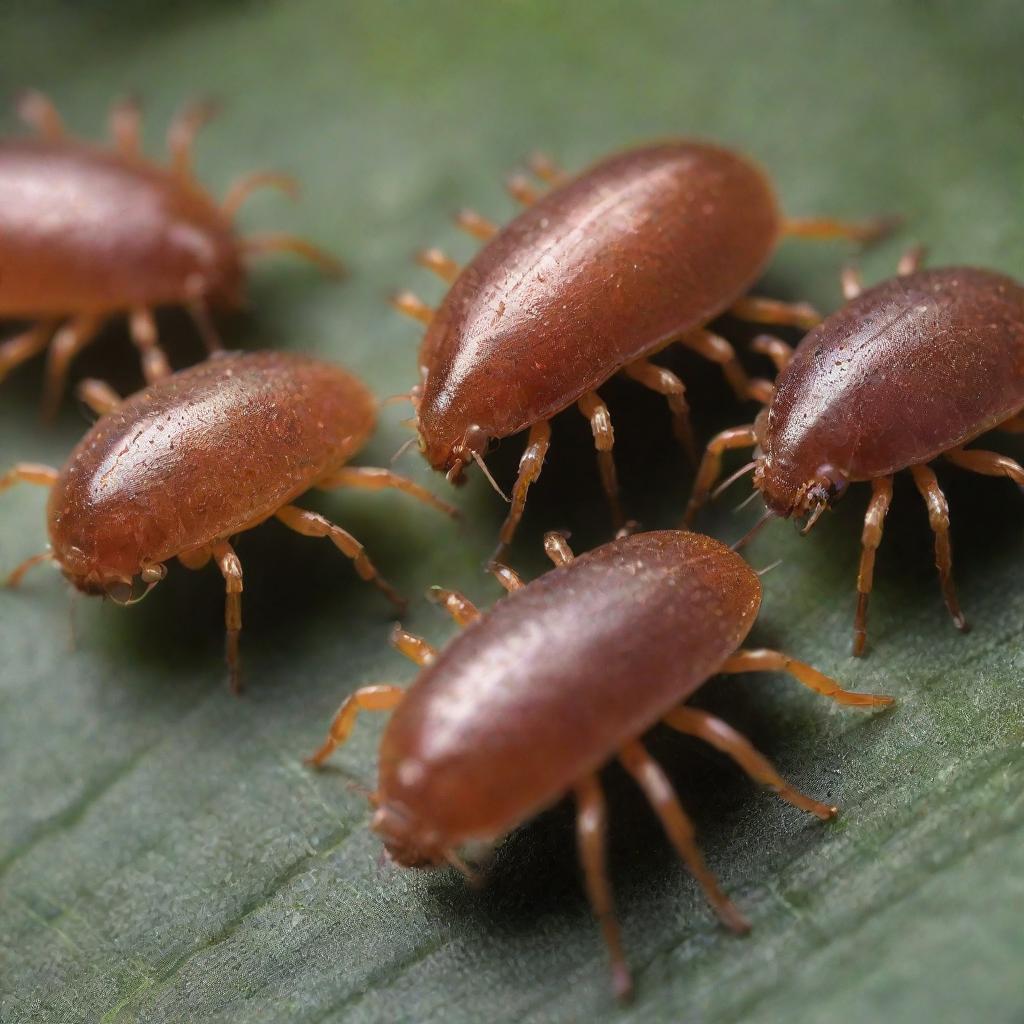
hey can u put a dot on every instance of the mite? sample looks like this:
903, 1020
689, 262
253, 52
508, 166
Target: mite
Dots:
641, 250
905, 373
182, 466
560, 677
89, 233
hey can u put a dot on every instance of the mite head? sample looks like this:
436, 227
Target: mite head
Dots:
121, 586
452, 457
407, 842
789, 493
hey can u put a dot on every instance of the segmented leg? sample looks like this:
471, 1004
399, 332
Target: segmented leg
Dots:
938, 517
181, 135
520, 189
778, 351
556, 547
507, 577
125, 126
371, 478
67, 343
312, 524
197, 558
412, 306
711, 465
530, 466
241, 188
772, 311
591, 832
258, 245
658, 790
381, 697
725, 738
912, 260
850, 282
476, 225
39, 113
197, 309
22, 347
763, 660
716, 349
826, 228
874, 521
457, 605
596, 411
435, 260
987, 463
18, 574
144, 336
231, 569
99, 396
29, 473
415, 648
547, 170
666, 383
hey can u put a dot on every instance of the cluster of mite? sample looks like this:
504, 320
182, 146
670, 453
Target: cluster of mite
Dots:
598, 273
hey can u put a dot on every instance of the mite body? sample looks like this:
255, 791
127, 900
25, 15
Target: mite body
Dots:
906, 372
87, 233
180, 467
643, 249
563, 675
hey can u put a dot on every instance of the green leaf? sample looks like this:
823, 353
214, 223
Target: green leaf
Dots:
164, 855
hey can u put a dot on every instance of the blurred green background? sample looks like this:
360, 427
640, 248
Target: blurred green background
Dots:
164, 856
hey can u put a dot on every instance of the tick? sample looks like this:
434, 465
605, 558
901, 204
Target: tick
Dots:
88, 233
906, 372
560, 677
179, 468
643, 249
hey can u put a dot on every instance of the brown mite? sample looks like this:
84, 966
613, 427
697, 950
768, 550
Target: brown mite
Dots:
180, 467
563, 675
906, 372
87, 233
641, 250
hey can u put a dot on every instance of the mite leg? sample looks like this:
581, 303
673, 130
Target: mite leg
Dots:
181, 135
912, 260
457, 605
666, 383
987, 463
591, 830
312, 524
241, 188
874, 520
476, 225
39, 113
507, 577
258, 245
68, 342
556, 547
144, 336
18, 574
711, 465
725, 738
369, 478
197, 558
435, 260
520, 189
415, 648
778, 351
366, 698
99, 396
530, 466
19, 349
1014, 425
231, 569
604, 439
29, 473
412, 306
658, 790
547, 170
772, 311
823, 229
850, 282
774, 661
716, 349
938, 516
125, 126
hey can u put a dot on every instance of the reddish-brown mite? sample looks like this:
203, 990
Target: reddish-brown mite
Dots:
643, 249
87, 233
563, 675
906, 372
179, 468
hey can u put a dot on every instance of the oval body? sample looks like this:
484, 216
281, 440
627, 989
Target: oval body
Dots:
202, 455
87, 230
910, 368
550, 683
607, 268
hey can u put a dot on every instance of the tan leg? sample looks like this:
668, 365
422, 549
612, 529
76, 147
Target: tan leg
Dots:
658, 790
824, 229
547, 170
197, 558
711, 465
725, 738
1014, 425
604, 440
312, 524
29, 473
763, 660
772, 311
39, 113
369, 478
556, 547
507, 577
987, 463
780, 353
666, 383
181, 135
411, 306
99, 396
530, 466
850, 282
125, 125
435, 260
241, 188
22, 347
197, 309
874, 521
912, 260
68, 342
591, 831
231, 569
144, 336
476, 225
716, 349
415, 648
520, 189
258, 245
18, 574
457, 605
938, 517
366, 698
